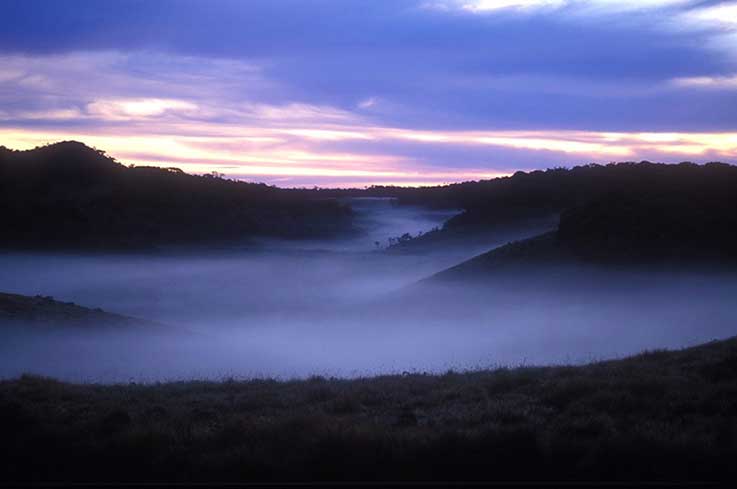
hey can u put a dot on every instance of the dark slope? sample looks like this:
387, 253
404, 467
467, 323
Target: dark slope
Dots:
658, 416
673, 228
70, 195
24, 311
695, 222
495, 207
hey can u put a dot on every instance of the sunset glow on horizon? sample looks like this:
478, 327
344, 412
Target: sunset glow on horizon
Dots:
268, 158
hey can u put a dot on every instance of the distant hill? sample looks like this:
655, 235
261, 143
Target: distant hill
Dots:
68, 195
45, 311
675, 229
492, 208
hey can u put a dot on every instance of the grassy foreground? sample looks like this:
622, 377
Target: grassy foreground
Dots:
668, 416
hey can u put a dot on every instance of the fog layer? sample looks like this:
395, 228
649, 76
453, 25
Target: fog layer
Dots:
344, 307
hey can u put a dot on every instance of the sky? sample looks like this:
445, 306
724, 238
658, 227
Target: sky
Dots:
352, 93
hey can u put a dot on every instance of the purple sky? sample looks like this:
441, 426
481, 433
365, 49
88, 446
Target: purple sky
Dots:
352, 93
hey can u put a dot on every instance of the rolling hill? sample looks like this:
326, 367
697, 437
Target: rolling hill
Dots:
670, 229
68, 195
525, 204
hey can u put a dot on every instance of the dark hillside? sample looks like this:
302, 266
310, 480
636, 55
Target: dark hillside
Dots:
541, 193
698, 222
675, 228
494, 207
70, 195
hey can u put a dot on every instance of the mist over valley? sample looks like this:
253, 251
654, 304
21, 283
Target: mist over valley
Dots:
363, 304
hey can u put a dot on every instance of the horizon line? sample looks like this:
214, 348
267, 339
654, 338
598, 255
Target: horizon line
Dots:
349, 185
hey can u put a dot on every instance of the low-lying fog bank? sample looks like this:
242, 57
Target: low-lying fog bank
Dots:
344, 308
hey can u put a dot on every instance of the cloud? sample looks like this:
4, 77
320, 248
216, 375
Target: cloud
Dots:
708, 82
492, 5
367, 103
127, 109
722, 15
